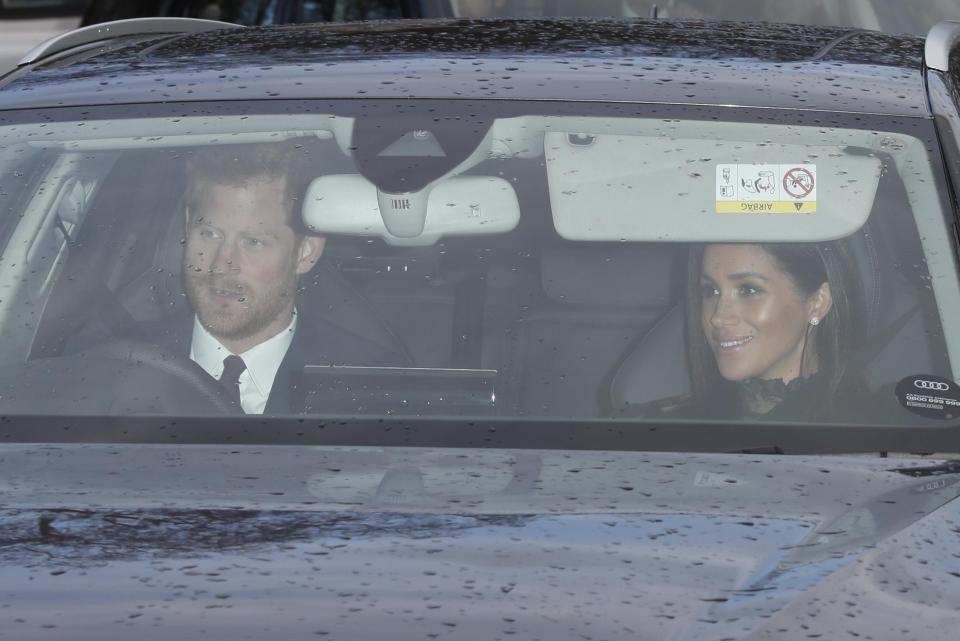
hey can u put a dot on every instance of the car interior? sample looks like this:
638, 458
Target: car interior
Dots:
566, 327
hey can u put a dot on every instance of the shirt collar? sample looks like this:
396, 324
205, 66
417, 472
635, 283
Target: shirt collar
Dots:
262, 360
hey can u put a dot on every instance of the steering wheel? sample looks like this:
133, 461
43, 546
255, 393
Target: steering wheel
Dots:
122, 377
189, 382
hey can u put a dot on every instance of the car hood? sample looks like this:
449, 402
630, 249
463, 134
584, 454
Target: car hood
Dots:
162, 542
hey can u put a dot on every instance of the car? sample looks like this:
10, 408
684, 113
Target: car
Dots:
403, 328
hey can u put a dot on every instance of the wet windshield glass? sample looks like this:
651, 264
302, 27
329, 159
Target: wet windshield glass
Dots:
477, 260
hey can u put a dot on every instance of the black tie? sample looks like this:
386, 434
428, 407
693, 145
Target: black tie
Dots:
233, 367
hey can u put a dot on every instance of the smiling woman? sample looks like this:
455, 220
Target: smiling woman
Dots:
770, 328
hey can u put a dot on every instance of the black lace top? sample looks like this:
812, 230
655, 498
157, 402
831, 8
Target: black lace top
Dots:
801, 400
760, 397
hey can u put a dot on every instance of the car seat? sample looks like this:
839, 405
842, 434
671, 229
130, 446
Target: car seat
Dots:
554, 322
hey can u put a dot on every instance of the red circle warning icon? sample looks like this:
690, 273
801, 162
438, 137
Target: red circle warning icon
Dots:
798, 182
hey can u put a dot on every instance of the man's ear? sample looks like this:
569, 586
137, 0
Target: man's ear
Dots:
820, 302
311, 249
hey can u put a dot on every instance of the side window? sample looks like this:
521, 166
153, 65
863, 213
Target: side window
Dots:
64, 197
53, 239
35, 253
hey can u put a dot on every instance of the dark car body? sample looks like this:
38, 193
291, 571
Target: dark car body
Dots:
143, 540
531, 526
693, 55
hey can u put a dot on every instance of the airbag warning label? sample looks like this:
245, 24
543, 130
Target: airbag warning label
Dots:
766, 189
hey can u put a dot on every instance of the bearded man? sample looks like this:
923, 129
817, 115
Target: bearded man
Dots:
246, 249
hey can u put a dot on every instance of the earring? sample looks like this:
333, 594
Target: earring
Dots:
814, 321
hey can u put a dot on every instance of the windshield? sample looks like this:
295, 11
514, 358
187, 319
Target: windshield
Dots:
476, 259
892, 16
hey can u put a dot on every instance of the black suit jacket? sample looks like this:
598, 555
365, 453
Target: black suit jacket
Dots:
315, 342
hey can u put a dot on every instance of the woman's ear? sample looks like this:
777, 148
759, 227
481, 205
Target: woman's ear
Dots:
819, 304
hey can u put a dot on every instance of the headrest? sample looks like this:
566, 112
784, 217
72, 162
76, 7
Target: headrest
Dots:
626, 276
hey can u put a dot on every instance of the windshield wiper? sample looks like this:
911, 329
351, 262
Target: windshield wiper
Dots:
948, 467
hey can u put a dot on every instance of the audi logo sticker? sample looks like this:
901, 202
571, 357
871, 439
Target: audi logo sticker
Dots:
929, 396
931, 385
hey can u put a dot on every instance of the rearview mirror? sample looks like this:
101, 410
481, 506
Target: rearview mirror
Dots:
461, 206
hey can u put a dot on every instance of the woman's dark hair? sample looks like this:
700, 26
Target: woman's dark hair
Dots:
831, 343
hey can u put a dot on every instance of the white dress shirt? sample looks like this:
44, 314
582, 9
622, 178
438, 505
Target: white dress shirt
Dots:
262, 362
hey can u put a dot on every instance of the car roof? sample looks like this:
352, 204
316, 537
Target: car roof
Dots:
683, 62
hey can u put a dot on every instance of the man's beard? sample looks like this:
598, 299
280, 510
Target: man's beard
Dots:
241, 313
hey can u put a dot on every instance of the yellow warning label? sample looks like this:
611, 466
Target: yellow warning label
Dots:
789, 188
766, 207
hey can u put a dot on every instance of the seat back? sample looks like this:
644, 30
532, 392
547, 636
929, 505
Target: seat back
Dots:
554, 324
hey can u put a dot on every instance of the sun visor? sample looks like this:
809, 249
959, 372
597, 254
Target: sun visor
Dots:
461, 206
645, 188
